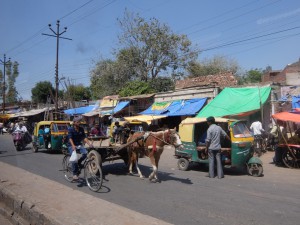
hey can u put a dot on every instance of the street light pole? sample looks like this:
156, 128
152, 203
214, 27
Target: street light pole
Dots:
5, 63
57, 34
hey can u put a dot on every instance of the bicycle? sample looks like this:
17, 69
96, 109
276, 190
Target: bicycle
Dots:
92, 171
259, 144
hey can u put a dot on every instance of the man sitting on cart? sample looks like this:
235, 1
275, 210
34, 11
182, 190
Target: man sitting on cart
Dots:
77, 138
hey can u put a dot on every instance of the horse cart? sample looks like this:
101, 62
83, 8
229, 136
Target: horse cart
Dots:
107, 153
147, 143
288, 150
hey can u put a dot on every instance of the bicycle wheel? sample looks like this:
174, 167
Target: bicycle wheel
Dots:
93, 175
67, 168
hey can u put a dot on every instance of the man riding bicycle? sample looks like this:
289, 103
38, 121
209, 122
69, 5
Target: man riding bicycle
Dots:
256, 128
77, 138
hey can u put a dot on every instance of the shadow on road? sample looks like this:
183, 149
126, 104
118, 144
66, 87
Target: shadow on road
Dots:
119, 169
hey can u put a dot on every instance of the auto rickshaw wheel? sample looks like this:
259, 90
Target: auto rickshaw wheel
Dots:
96, 160
289, 160
183, 164
255, 169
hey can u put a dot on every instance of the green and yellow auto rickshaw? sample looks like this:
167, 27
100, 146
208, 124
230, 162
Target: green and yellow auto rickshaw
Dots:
49, 135
237, 153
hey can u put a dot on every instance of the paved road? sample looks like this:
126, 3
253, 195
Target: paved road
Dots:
4, 221
183, 197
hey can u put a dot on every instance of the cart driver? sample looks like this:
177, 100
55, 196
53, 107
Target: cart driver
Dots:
77, 138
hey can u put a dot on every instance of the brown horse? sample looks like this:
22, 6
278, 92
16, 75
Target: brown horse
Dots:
152, 145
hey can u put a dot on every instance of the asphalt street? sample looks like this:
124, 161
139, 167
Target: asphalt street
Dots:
182, 197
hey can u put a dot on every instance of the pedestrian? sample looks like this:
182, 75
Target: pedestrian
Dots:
1, 127
77, 138
279, 135
213, 147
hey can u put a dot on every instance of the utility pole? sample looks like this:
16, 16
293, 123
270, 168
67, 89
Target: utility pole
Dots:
57, 34
5, 63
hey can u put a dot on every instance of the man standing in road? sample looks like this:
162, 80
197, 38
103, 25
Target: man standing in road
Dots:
1, 127
213, 147
76, 137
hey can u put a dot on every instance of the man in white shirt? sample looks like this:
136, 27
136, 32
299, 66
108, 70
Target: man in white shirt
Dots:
256, 127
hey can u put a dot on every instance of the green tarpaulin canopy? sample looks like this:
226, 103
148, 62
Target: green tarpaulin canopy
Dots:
235, 101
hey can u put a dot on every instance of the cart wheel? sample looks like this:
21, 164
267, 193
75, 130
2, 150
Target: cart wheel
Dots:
95, 159
289, 160
255, 169
183, 164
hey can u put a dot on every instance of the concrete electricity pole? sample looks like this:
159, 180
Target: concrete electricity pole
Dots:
57, 35
5, 63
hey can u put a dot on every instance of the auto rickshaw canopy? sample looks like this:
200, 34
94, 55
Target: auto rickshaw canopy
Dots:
202, 119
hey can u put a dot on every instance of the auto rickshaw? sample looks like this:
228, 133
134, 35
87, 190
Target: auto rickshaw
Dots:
237, 153
58, 129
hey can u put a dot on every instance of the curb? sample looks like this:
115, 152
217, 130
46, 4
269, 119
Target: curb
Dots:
30, 199
20, 212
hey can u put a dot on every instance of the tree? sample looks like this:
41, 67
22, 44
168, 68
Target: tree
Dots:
215, 65
162, 84
152, 48
104, 79
41, 91
136, 88
78, 92
253, 76
12, 94
1, 84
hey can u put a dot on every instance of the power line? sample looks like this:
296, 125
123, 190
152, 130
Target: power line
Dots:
248, 39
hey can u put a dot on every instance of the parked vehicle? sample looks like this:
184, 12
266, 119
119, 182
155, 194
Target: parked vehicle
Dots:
237, 153
51, 140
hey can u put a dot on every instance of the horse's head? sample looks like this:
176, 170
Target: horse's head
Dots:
175, 138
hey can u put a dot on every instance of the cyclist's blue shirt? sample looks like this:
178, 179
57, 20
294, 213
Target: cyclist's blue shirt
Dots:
77, 136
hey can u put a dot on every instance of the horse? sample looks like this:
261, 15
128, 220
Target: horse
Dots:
150, 144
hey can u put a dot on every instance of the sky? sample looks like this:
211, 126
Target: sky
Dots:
254, 33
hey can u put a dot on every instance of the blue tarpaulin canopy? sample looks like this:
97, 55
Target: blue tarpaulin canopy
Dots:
119, 107
188, 107
80, 110
296, 103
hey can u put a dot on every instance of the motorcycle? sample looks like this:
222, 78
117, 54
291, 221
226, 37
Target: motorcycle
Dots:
21, 139
19, 142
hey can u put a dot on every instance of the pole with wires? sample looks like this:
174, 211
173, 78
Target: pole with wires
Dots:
57, 35
5, 63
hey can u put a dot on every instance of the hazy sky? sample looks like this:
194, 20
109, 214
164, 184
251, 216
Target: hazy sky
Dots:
256, 33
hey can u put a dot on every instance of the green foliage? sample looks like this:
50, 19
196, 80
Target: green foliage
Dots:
78, 92
251, 76
106, 79
162, 84
149, 49
154, 47
41, 91
12, 73
136, 88
215, 65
